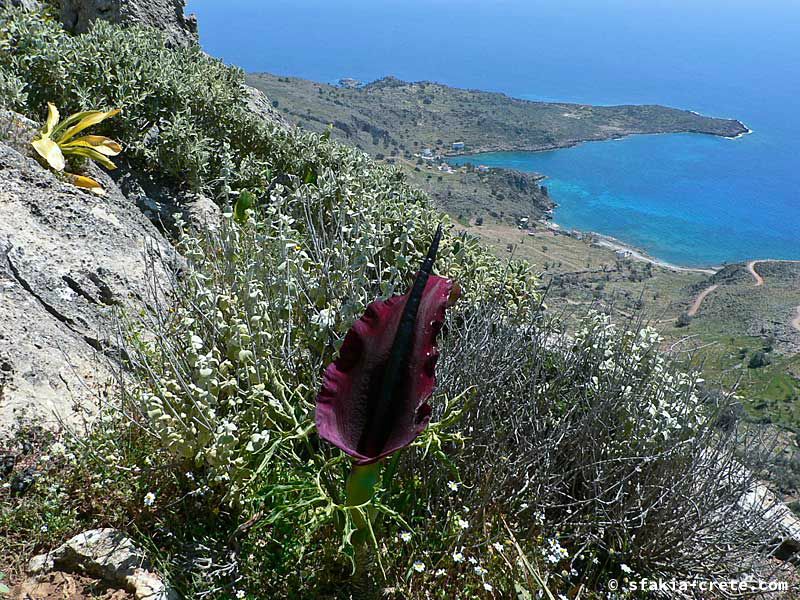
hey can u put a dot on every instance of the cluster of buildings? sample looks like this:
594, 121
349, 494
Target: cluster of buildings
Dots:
429, 155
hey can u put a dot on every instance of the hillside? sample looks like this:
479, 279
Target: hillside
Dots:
404, 117
318, 385
395, 121
414, 126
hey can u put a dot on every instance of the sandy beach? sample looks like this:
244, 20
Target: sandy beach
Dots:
635, 253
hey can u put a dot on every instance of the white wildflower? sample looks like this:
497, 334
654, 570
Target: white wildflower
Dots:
149, 499
554, 552
325, 319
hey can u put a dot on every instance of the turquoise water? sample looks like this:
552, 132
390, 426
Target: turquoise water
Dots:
688, 199
680, 197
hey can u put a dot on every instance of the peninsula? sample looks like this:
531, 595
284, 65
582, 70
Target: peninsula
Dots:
390, 114
416, 126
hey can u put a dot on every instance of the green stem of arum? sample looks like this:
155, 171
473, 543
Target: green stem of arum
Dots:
361, 484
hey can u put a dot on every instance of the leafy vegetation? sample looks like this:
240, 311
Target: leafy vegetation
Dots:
551, 463
183, 113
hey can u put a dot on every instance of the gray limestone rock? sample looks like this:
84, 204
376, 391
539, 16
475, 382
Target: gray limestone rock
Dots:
71, 262
108, 555
166, 15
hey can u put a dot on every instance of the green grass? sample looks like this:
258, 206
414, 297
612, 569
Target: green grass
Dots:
771, 394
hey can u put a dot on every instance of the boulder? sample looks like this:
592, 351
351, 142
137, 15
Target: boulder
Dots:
784, 524
166, 15
162, 203
71, 262
259, 104
108, 555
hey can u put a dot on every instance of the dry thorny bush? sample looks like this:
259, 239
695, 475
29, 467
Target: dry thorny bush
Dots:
578, 457
600, 442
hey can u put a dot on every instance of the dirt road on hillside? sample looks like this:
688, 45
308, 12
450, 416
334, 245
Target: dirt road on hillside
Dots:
796, 320
699, 300
751, 266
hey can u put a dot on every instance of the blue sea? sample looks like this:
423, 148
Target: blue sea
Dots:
688, 199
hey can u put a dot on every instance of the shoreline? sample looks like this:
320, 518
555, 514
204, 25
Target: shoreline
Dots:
612, 243
601, 239
574, 143
741, 135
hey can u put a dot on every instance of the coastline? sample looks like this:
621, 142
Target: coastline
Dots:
637, 254
604, 123
601, 239
747, 131
741, 135
586, 140
640, 255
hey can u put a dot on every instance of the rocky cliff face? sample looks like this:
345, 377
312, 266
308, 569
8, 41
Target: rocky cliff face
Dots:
167, 15
70, 262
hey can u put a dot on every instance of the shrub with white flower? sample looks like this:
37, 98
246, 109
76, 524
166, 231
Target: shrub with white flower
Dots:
634, 360
265, 304
554, 552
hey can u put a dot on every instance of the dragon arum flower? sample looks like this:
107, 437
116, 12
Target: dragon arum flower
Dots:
56, 140
374, 397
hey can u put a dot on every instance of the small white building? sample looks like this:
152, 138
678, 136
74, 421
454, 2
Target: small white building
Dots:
458, 146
